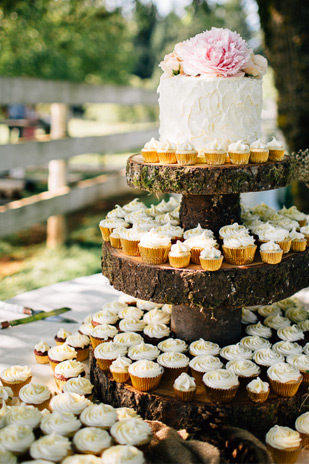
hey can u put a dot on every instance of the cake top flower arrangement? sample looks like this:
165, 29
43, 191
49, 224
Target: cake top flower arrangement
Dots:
215, 53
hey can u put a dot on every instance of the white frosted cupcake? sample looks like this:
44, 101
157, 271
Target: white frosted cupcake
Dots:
102, 333
300, 362
258, 390
235, 352
16, 377
248, 316
69, 402
266, 357
6, 457
51, 447
185, 153
239, 249
214, 153
276, 150
23, 415
239, 153
221, 385
287, 348
271, 253
99, 415
107, 352
41, 352
203, 347
197, 231
292, 334
197, 243
92, 440
297, 315
126, 413
277, 322
123, 453
61, 423
36, 395
145, 375
179, 256
173, 344
108, 225
130, 312
117, 305
211, 259
61, 336
284, 379
154, 247
131, 432
86, 328
245, 370
105, 316
60, 353
67, 370
79, 385
259, 152
128, 339
184, 387
302, 427
283, 443
157, 316
156, 333
16, 438
143, 351
81, 344
258, 330
130, 239
131, 325
231, 229
120, 369
199, 365
166, 152
299, 242
149, 151
174, 363
279, 236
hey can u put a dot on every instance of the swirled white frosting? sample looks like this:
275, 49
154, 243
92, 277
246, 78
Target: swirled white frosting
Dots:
254, 343
258, 386
133, 234
152, 145
6, 457
99, 415
173, 344
293, 213
157, 331
128, 339
165, 206
247, 316
210, 253
274, 143
292, 302
24, 415
116, 306
147, 305
156, 316
238, 241
302, 423
202, 346
116, 212
53, 447
121, 364
185, 383
134, 205
243, 368
170, 230
145, 368
145, 224
116, 233
109, 350
292, 333
165, 145
258, 144
258, 329
79, 385
306, 348
230, 229
81, 459
277, 322
232, 352
112, 223
238, 147
69, 402
42, 347
62, 353
297, 314
16, 373
143, 351
220, 378
173, 359
130, 312
105, 316
185, 147
286, 223
34, 393
78, 340
16, 438
69, 368
179, 249
200, 241
197, 231
123, 454
287, 348
205, 363
126, 413
269, 310
61, 423
6, 394
303, 325
104, 331
283, 438
167, 218
270, 246
267, 357
214, 146
131, 432
153, 239
92, 439
304, 230
277, 235
131, 325
86, 328
63, 334
299, 361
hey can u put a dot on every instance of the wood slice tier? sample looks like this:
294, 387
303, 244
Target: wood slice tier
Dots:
201, 414
202, 179
231, 286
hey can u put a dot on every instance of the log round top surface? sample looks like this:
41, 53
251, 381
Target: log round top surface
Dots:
231, 286
202, 179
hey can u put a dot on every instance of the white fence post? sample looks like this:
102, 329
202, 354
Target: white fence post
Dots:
57, 176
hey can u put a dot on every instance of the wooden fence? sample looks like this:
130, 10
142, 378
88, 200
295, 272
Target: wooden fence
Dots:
60, 198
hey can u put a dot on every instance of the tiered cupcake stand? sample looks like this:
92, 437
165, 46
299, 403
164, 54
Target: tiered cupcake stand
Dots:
206, 304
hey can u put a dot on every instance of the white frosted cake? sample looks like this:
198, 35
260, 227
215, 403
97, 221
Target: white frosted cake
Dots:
211, 90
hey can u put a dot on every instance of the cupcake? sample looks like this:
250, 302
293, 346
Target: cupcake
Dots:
258, 390
130, 312
145, 375
179, 256
235, 352
114, 307
259, 152
221, 385
16, 377
277, 322
128, 339
123, 453
279, 236
283, 443
132, 325
99, 415
60, 353
134, 432
199, 365
276, 150
231, 229
86, 328
154, 247
173, 344
300, 362
102, 333
147, 305
16, 439
239, 153
127, 413
166, 152
184, 387
174, 364
239, 249
284, 379
105, 316
305, 231
23, 415
120, 369
51, 447
269, 310
157, 316
143, 351
81, 344
36, 395
156, 333
271, 253
61, 336
108, 225
248, 316
197, 243
203, 347
130, 239
6, 395
114, 237
287, 348
302, 427
292, 334
265, 358
214, 153
107, 352
91, 440
69, 402
245, 370
67, 370
134, 205
61, 423
41, 352
197, 231
211, 259
258, 330
185, 154
299, 242
298, 314
149, 152
79, 385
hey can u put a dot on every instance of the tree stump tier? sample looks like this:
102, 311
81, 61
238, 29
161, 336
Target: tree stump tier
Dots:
231, 286
202, 179
201, 414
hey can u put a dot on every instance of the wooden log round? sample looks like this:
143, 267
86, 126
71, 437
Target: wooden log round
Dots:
201, 414
202, 179
231, 286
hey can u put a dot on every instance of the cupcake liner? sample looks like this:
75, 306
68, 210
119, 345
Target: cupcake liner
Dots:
154, 255
239, 256
53, 364
96, 341
260, 397
16, 385
82, 353
285, 245
150, 156
105, 231
104, 364
115, 242
221, 395
195, 255
215, 159
304, 440
166, 157
179, 261
276, 155
120, 377
186, 159
41, 359
283, 456
210, 264
145, 383
130, 247
271, 257
184, 395
298, 245
305, 375
239, 158
198, 376
259, 156
286, 389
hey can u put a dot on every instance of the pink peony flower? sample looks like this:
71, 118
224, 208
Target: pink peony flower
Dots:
218, 52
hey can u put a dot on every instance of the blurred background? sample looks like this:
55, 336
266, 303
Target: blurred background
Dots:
78, 82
